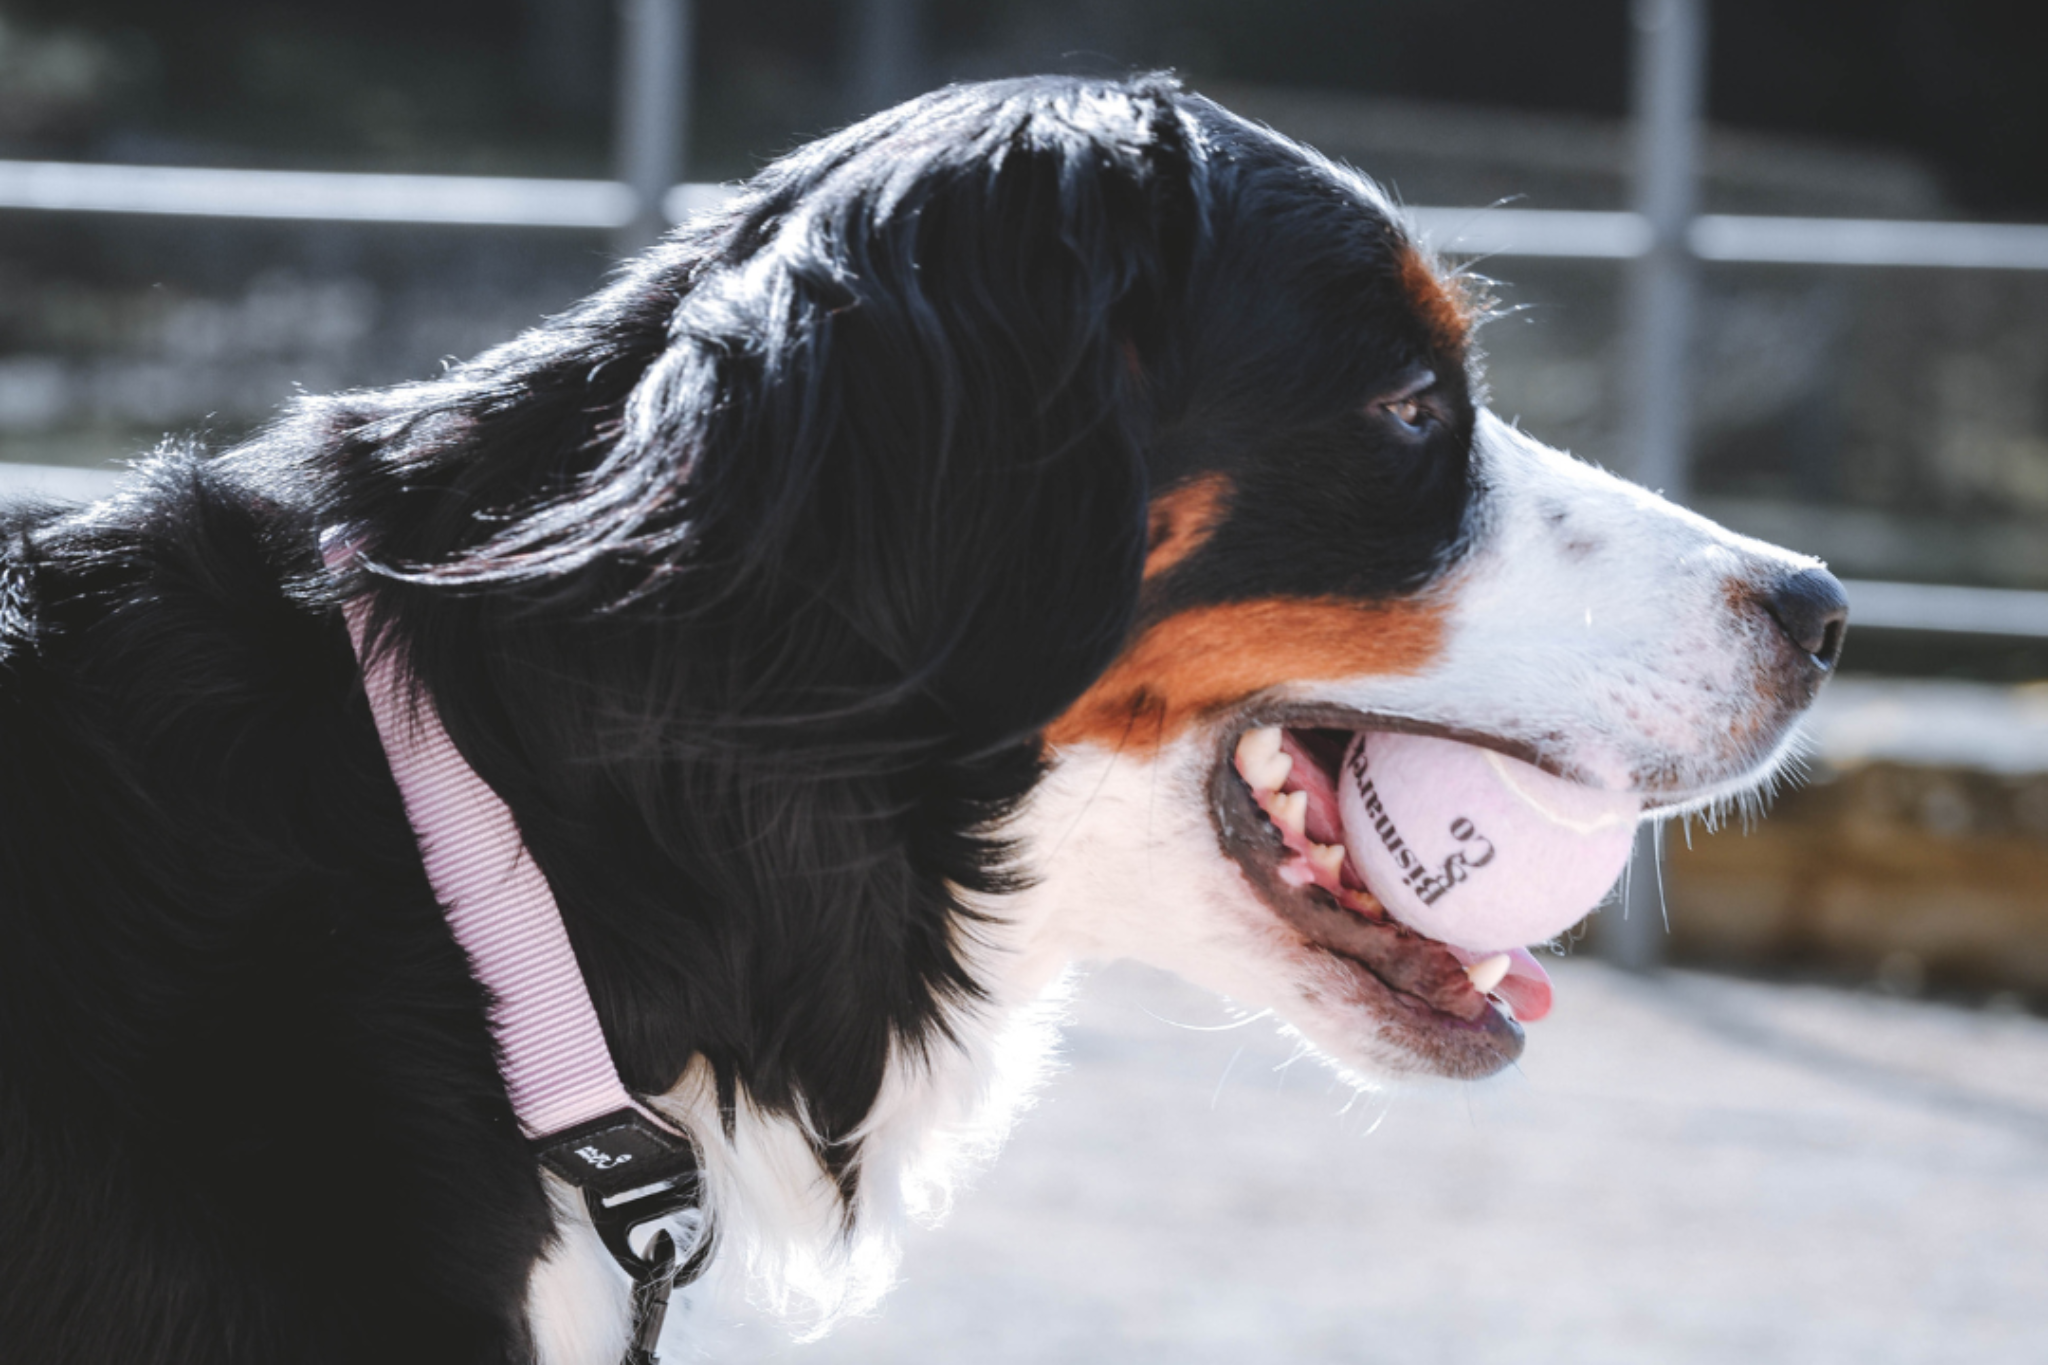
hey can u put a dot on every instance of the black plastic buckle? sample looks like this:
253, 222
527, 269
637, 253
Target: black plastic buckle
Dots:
632, 1172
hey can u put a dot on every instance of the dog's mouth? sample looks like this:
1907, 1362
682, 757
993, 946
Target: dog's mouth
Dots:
1275, 800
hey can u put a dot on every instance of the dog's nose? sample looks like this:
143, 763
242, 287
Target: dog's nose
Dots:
1812, 610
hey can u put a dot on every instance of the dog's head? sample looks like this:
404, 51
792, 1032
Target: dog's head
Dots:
1341, 537
861, 601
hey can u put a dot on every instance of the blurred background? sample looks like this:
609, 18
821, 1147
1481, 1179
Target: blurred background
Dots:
1783, 260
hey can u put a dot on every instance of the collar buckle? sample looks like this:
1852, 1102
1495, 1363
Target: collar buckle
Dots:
632, 1171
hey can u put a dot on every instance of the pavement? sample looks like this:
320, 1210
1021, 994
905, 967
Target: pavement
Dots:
1683, 1168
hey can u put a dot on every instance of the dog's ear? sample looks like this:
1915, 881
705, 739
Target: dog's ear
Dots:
924, 450
868, 444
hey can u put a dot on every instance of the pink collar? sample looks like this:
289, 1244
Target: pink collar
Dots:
557, 1067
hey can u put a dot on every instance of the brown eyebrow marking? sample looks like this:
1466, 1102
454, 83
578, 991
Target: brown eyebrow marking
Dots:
1447, 305
1179, 521
1195, 661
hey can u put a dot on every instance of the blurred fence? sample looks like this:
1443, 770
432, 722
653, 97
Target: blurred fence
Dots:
499, 201
72, 188
1836, 374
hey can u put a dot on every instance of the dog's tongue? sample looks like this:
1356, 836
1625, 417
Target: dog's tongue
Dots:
1526, 987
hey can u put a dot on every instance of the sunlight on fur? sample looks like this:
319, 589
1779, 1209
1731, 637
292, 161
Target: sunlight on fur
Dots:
576, 1302
788, 1246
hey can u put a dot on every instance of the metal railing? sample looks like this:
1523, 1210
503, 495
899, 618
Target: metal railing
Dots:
1762, 239
1897, 606
611, 205
607, 205
329, 196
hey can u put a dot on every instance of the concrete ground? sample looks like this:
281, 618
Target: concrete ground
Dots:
1685, 1169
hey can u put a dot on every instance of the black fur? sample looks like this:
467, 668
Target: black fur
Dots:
749, 584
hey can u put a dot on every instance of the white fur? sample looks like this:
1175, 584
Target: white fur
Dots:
1590, 620
786, 1243
1140, 875
576, 1299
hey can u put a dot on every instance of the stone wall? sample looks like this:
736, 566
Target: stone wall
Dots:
1914, 878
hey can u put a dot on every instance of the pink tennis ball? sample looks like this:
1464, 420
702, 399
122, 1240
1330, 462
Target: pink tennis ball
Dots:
1476, 849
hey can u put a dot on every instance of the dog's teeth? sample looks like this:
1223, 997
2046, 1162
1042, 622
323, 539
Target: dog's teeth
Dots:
1256, 746
1364, 902
1290, 812
1260, 760
1327, 859
1268, 776
1488, 973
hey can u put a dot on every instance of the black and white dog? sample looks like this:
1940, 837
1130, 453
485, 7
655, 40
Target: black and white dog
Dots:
860, 604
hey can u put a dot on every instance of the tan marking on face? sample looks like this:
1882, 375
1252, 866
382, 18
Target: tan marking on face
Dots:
1208, 657
1180, 520
1446, 306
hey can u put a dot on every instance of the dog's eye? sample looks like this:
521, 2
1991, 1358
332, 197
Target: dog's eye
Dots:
1410, 406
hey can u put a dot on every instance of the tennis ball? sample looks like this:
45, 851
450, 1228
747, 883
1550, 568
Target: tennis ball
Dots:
1476, 849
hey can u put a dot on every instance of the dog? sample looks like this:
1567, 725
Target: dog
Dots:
860, 604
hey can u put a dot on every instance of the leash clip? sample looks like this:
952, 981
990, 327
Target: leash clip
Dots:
650, 1300
633, 1172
